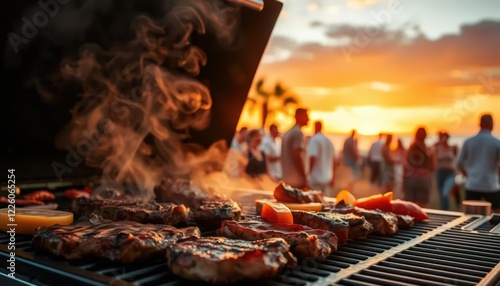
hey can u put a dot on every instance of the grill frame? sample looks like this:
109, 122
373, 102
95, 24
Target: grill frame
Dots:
352, 261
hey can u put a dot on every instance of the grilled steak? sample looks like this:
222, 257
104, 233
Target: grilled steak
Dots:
212, 213
304, 241
208, 209
222, 260
116, 210
405, 221
359, 227
317, 221
383, 223
121, 241
289, 194
180, 191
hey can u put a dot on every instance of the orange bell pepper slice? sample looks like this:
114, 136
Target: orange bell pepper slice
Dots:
276, 213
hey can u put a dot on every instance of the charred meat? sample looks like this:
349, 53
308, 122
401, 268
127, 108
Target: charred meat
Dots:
359, 227
317, 221
304, 241
405, 221
121, 241
117, 210
223, 260
208, 209
212, 213
181, 191
288, 194
383, 223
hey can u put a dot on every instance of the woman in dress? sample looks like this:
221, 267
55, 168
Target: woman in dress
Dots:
445, 174
399, 156
418, 170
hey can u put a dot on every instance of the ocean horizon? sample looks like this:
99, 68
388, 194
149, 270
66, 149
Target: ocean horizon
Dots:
365, 141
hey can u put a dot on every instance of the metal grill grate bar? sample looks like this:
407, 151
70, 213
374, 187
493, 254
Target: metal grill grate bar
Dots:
421, 276
403, 277
482, 256
442, 267
463, 248
376, 280
439, 272
437, 260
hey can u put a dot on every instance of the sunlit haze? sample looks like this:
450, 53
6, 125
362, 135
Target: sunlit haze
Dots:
386, 66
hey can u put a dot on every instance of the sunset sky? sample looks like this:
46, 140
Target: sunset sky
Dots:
387, 65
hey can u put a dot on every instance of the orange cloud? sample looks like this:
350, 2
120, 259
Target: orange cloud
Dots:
402, 80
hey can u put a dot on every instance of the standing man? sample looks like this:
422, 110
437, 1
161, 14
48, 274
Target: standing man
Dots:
479, 161
321, 161
375, 160
271, 146
293, 152
350, 155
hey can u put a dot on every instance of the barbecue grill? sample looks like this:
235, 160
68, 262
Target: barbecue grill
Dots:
450, 248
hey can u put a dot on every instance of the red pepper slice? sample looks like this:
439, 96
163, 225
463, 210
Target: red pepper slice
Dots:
401, 207
381, 202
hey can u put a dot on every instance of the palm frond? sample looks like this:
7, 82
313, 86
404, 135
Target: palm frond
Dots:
279, 90
259, 87
290, 100
252, 100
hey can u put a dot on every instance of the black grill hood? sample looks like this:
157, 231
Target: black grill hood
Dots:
31, 124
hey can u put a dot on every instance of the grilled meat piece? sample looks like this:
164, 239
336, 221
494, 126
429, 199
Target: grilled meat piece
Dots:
116, 210
317, 221
223, 260
288, 194
304, 241
121, 241
359, 227
212, 213
405, 221
208, 209
181, 191
383, 223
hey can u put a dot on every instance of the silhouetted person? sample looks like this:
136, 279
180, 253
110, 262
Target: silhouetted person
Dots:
271, 146
321, 160
293, 152
256, 159
375, 161
418, 170
388, 165
350, 155
445, 156
399, 156
239, 141
479, 160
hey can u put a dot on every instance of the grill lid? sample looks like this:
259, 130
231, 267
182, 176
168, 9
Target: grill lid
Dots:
33, 121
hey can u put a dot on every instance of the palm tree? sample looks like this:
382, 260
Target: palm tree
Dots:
279, 93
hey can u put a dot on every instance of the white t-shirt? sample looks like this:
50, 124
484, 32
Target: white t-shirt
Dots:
272, 148
322, 148
293, 139
375, 153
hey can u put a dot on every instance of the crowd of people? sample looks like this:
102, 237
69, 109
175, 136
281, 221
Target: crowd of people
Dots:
408, 172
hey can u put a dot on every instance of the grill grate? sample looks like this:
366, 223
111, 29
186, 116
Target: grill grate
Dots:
453, 257
436, 252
